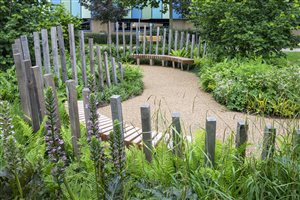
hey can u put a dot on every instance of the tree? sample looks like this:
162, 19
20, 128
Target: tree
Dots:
23, 17
246, 27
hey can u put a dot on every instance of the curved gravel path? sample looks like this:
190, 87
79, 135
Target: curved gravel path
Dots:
170, 90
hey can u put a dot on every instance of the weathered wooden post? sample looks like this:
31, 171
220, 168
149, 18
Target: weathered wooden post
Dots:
114, 71
124, 38
109, 38
241, 138
199, 47
100, 68
85, 95
74, 116
176, 40
137, 39
210, 141
25, 48
22, 84
37, 49
82, 58
49, 82
204, 49
164, 45
170, 42
34, 104
54, 50
63, 62
39, 90
181, 39
46, 55
146, 131
121, 70
268, 142
176, 134
144, 39
117, 38
107, 69
116, 111
187, 41
192, 46
130, 42
150, 43
73, 52
92, 56
157, 40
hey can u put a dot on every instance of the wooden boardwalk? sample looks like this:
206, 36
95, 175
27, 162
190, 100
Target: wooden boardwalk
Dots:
132, 135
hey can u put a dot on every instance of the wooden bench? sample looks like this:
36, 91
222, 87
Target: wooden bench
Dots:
173, 59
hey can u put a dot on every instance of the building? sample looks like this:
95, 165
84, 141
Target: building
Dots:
146, 15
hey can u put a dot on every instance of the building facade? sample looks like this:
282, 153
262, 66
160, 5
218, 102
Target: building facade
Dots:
145, 15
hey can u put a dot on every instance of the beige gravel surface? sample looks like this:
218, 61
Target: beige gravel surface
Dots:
170, 90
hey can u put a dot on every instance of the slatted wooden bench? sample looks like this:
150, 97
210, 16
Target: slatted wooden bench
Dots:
173, 59
132, 135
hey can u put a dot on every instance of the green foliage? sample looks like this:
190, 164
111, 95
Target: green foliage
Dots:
180, 53
246, 28
253, 86
23, 18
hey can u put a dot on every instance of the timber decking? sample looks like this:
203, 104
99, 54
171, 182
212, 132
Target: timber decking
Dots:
132, 135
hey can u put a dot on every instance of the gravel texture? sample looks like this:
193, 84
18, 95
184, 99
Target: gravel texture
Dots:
170, 90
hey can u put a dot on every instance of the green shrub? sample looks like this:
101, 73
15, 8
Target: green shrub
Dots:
254, 86
246, 28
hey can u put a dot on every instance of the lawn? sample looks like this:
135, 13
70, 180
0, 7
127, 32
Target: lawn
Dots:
293, 57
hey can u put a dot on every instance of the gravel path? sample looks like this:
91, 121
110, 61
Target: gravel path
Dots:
170, 90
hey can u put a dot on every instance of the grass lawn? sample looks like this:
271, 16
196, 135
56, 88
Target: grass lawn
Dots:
293, 57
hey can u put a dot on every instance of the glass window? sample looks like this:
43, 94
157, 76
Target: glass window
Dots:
75, 8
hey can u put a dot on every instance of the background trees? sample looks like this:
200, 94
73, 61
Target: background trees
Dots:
246, 28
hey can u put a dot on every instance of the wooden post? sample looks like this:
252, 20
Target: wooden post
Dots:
137, 39
74, 116
176, 40
157, 40
192, 46
46, 54
82, 58
114, 71
25, 48
22, 82
241, 138
268, 142
37, 49
210, 141
117, 38
124, 38
100, 68
109, 38
54, 50
181, 39
176, 134
121, 70
170, 42
49, 82
164, 45
204, 49
39, 90
34, 106
130, 44
199, 47
63, 62
187, 41
107, 69
116, 111
73, 52
86, 108
146, 131
144, 39
92, 56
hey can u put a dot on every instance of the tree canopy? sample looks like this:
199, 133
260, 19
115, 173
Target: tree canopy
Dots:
246, 27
